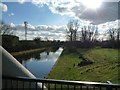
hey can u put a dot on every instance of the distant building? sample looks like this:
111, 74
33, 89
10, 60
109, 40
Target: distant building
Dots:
9, 41
13, 40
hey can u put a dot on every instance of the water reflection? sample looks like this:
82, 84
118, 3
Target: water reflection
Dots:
40, 64
26, 57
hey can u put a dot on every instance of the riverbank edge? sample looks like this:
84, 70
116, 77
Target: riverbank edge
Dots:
54, 64
52, 73
28, 51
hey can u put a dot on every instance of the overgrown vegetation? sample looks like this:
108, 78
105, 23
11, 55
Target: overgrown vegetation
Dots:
104, 68
27, 52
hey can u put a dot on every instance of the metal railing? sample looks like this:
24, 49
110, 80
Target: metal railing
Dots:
26, 83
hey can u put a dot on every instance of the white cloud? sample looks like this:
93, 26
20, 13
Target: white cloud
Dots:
58, 32
12, 24
40, 2
11, 14
22, 1
21, 27
3, 7
104, 27
62, 7
108, 25
51, 32
74, 9
31, 27
77, 10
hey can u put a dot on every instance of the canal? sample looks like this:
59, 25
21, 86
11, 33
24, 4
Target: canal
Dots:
41, 64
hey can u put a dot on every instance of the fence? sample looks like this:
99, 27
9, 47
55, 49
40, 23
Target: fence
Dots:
51, 84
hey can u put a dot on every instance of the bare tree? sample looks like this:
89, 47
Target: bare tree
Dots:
84, 34
118, 34
6, 29
37, 39
89, 33
113, 34
95, 33
72, 29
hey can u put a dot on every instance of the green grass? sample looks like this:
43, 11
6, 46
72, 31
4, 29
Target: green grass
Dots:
105, 66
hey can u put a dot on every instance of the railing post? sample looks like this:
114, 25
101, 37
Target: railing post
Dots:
36, 85
11, 84
42, 86
93, 87
67, 87
48, 86
87, 87
108, 88
80, 87
61, 86
23, 85
74, 87
55, 86
6, 84
17, 84
100, 88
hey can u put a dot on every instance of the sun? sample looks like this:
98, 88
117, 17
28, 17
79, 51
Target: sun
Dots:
92, 4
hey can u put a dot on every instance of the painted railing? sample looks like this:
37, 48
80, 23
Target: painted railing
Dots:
51, 84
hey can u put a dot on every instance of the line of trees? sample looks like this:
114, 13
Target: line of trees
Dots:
114, 34
89, 34
113, 37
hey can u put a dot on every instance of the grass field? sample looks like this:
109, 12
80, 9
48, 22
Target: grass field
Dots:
105, 66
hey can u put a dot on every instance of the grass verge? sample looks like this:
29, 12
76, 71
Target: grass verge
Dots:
105, 66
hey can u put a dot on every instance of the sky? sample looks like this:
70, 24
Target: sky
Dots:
49, 18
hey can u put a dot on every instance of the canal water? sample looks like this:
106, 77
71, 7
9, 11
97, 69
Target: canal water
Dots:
42, 64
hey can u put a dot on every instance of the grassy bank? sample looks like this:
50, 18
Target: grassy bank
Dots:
27, 51
104, 68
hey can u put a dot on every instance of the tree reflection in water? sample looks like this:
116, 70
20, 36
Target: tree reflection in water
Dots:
35, 62
35, 55
26, 57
